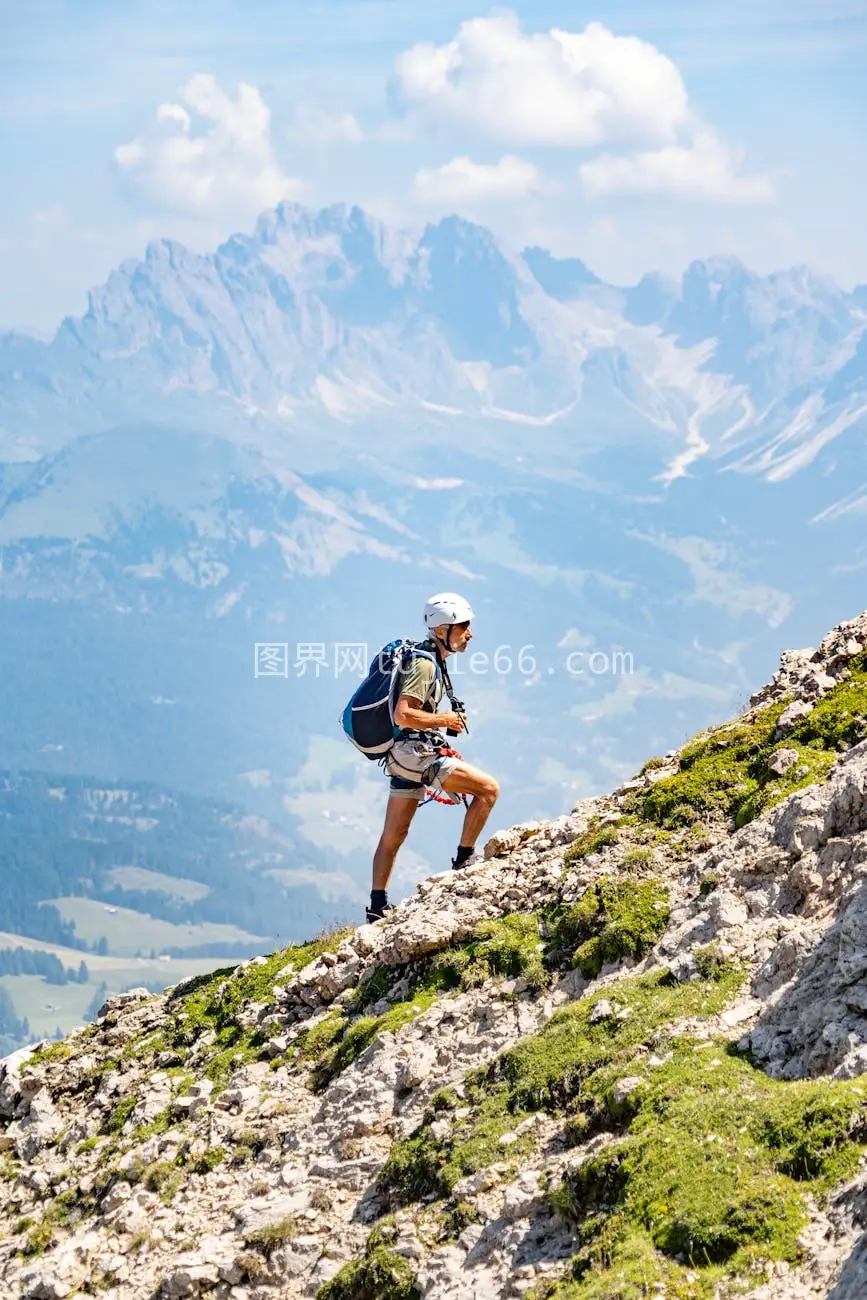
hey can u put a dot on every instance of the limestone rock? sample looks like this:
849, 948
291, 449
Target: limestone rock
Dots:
502, 842
624, 1088
418, 1066
60, 1272
782, 759
266, 1213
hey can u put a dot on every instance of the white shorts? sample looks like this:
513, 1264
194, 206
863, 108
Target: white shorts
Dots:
417, 765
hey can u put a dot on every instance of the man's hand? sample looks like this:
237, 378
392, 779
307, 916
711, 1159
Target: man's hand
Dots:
451, 721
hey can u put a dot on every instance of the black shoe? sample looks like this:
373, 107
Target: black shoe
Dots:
377, 913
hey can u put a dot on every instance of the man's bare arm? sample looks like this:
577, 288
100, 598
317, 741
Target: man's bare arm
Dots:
409, 713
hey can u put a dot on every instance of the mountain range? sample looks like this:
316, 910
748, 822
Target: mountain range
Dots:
294, 440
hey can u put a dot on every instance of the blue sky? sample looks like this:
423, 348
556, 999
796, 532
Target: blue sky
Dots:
636, 136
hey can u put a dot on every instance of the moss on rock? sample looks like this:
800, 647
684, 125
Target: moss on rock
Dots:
709, 1182
597, 836
380, 1274
570, 1062
120, 1114
612, 919
212, 1002
272, 1235
840, 718
725, 772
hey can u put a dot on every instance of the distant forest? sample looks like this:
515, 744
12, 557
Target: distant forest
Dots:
61, 835
26, 961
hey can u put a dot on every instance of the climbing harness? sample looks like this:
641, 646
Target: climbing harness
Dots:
434, 796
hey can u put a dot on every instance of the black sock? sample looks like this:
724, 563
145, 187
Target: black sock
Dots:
462, 854
378, 899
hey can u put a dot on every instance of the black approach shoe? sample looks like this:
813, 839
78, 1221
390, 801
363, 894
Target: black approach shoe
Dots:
377, 913
464, 857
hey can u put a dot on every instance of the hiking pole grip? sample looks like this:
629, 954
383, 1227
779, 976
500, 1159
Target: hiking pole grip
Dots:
460, 709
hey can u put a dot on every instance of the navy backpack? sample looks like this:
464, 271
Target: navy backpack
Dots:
368, 719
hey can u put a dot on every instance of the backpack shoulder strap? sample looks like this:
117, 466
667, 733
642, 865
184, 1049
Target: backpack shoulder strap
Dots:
439, 658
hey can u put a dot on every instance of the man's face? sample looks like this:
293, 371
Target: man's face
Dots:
460, 635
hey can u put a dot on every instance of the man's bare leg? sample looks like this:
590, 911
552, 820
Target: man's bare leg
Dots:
399, 813
466, 779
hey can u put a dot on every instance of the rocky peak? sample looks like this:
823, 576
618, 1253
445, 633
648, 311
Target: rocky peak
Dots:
620, 1049
471, 287
562, 278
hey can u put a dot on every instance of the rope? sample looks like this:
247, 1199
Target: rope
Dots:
432, 796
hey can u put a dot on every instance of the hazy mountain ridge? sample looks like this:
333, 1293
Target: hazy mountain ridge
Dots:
337, 316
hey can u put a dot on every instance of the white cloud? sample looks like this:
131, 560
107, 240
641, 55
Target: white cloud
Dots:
575, 89
573, 639
315, 126
223, 163
555, 87
465, 181
705, 169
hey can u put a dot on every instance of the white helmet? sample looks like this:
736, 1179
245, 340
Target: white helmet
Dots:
446, 607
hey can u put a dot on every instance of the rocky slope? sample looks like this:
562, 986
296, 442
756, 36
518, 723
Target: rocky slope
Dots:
618, 1056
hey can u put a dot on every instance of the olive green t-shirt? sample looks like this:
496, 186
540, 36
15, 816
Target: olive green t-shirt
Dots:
422, 682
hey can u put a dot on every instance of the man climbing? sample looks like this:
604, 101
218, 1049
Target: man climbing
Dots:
420, 758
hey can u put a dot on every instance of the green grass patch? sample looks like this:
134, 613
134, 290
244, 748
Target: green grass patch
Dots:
570, 1063
120, 1114
710, 963
212, 1004
57, 1214
57, 1051
595, 837
380, 1274
315, 1042
637, 859
273, 1234
724, 772
163, 1177
209, 1160
510, 946
710, 1178
161, 1123
840, 718
39, 1239
612, 919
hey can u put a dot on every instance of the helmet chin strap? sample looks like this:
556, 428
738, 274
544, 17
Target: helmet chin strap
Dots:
447, 641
